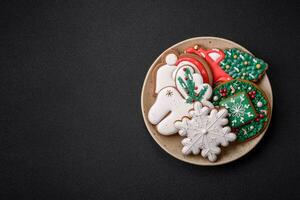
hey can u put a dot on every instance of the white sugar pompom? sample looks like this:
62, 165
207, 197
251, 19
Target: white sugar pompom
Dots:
171, 59
259, 104
215, 98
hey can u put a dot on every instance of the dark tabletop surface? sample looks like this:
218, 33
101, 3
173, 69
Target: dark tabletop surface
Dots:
70, 82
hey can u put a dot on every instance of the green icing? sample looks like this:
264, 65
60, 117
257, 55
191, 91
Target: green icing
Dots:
189, 86
240, 109
235, 88
242, 65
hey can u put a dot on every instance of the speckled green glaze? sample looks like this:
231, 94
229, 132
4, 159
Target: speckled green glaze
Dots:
239, 64
259, 102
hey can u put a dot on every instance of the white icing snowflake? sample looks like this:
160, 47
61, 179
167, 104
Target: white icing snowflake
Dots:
205, 131
238, 110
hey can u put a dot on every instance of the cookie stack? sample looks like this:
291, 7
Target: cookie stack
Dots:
209, 97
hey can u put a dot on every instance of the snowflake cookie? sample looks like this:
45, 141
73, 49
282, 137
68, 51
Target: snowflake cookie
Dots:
205, 130
247, 105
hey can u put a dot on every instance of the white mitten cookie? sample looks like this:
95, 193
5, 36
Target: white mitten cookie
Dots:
166, 74
190, 84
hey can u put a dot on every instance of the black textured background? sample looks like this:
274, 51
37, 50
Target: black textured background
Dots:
70, 82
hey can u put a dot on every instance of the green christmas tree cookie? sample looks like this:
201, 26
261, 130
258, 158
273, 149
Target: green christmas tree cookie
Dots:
239, 64
230, 64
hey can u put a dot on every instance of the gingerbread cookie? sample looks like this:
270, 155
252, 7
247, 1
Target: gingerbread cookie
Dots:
231, 64
247, 105
191, 86
179, 83
169, 106
167, 70
205, 130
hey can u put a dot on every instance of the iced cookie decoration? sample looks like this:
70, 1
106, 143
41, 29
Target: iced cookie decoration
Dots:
169, 106
191, 86
179, 83
165, 75
247, 105
205, 131
198, 64
231, 64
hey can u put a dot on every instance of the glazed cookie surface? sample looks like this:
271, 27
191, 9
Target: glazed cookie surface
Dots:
231, 63
247, 105
180, 81
205, 130
239, 64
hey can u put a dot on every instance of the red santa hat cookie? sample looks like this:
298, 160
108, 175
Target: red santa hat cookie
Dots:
231, 63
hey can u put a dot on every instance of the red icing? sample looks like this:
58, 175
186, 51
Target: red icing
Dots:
218, 73
198, 64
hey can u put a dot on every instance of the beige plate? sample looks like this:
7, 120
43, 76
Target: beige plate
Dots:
172, 144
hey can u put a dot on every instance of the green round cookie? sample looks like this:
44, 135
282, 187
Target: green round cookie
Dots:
247, 105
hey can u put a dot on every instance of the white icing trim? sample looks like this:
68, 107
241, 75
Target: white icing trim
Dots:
185, 63
214, 55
